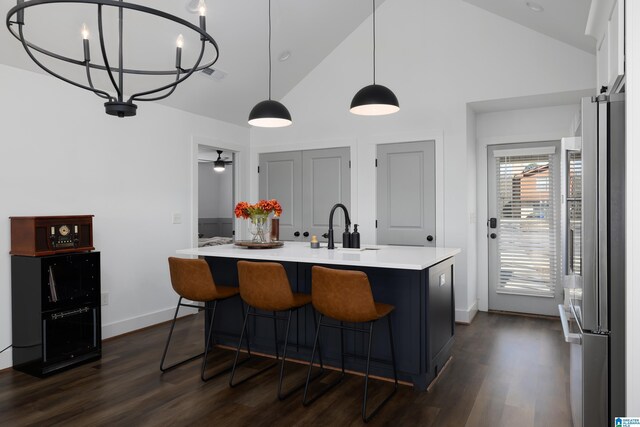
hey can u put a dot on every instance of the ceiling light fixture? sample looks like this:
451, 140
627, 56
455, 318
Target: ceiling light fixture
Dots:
536, 7
218, 165
284, 56
116, 105
269, 113
374, 100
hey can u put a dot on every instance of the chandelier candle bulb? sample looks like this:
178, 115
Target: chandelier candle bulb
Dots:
85, 32
20, 14
202, 8
179, 44
85, 43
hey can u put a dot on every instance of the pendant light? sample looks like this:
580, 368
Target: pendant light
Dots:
269, 113
374, 100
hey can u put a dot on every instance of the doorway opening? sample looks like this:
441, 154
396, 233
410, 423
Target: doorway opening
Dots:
216, 201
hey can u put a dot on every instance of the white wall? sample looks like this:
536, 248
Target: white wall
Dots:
61, 154
507, 127
437, 56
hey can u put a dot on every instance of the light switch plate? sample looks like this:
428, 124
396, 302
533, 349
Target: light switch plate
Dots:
104, 298
443, 280
177, 218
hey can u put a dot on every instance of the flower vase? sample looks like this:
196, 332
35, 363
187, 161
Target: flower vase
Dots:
259, 227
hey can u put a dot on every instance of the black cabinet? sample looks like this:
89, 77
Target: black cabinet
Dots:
55, 311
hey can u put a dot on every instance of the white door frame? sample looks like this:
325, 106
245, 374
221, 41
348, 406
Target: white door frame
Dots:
482, 205
240, 187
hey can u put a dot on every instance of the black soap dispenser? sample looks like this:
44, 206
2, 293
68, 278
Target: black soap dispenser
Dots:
355, 237
346, 238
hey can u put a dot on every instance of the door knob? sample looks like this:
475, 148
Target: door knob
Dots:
493, 235
296, 234
429, 238
305, 234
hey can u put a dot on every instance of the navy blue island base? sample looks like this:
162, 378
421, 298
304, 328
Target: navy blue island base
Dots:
423, 322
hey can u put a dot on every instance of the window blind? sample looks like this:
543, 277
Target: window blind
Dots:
527, 230
574, 211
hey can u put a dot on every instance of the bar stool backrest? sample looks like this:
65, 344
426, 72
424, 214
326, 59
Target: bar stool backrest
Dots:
192, 279
265, 285
343, 295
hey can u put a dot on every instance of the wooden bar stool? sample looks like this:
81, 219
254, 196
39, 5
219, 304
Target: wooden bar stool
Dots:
264, 286
345, 295
192, 280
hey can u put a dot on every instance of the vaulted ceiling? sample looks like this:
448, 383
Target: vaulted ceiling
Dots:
307, 30
564, 20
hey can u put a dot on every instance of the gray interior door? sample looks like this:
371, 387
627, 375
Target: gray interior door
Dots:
326, 180
406, 193
307, 184
523, 231
280, 178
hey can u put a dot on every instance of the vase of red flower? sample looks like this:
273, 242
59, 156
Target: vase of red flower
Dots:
258, 216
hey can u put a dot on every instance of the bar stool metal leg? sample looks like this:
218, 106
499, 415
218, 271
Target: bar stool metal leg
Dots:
282, 396
235, 362
206, 350
366, 418
316, 343
166, 347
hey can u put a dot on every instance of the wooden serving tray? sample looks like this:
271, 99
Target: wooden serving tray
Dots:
255, 245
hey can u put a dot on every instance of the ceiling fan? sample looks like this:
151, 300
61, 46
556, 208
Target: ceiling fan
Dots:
218, 164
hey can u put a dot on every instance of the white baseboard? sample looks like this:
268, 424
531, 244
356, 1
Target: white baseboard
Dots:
138, 322
5, 360
466, 316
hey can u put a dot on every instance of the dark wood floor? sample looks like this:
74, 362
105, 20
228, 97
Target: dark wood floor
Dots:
505, 371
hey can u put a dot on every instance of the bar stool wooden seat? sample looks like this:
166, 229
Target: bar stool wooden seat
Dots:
192, 280
345, 295
265, 286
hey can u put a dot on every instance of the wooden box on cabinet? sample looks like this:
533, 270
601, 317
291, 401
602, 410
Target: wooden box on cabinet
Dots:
50, 235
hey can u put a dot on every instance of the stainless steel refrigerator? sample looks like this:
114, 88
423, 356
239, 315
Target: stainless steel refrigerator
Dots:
593, 227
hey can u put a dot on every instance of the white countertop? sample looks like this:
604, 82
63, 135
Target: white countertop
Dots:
399, 257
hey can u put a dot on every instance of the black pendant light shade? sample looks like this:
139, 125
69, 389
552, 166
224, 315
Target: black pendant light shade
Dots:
374, 100
269, 114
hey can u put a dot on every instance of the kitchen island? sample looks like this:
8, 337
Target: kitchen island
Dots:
418, 281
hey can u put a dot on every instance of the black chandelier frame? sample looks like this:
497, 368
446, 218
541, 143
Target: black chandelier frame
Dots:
115, 105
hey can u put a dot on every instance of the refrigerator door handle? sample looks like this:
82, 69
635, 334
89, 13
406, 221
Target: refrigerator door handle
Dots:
569, 337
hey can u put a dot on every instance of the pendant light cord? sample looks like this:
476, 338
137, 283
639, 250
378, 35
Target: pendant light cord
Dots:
374, 41
269, 49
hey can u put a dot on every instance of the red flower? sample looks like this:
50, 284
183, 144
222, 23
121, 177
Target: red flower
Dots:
263, 207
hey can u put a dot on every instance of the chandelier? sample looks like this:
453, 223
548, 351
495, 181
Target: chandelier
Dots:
117, 104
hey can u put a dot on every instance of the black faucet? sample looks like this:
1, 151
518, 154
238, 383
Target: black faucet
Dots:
331, 245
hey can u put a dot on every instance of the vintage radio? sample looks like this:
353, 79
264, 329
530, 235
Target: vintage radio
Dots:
49, 235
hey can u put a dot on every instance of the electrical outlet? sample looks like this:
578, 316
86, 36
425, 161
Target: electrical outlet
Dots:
177, 218
104, 298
